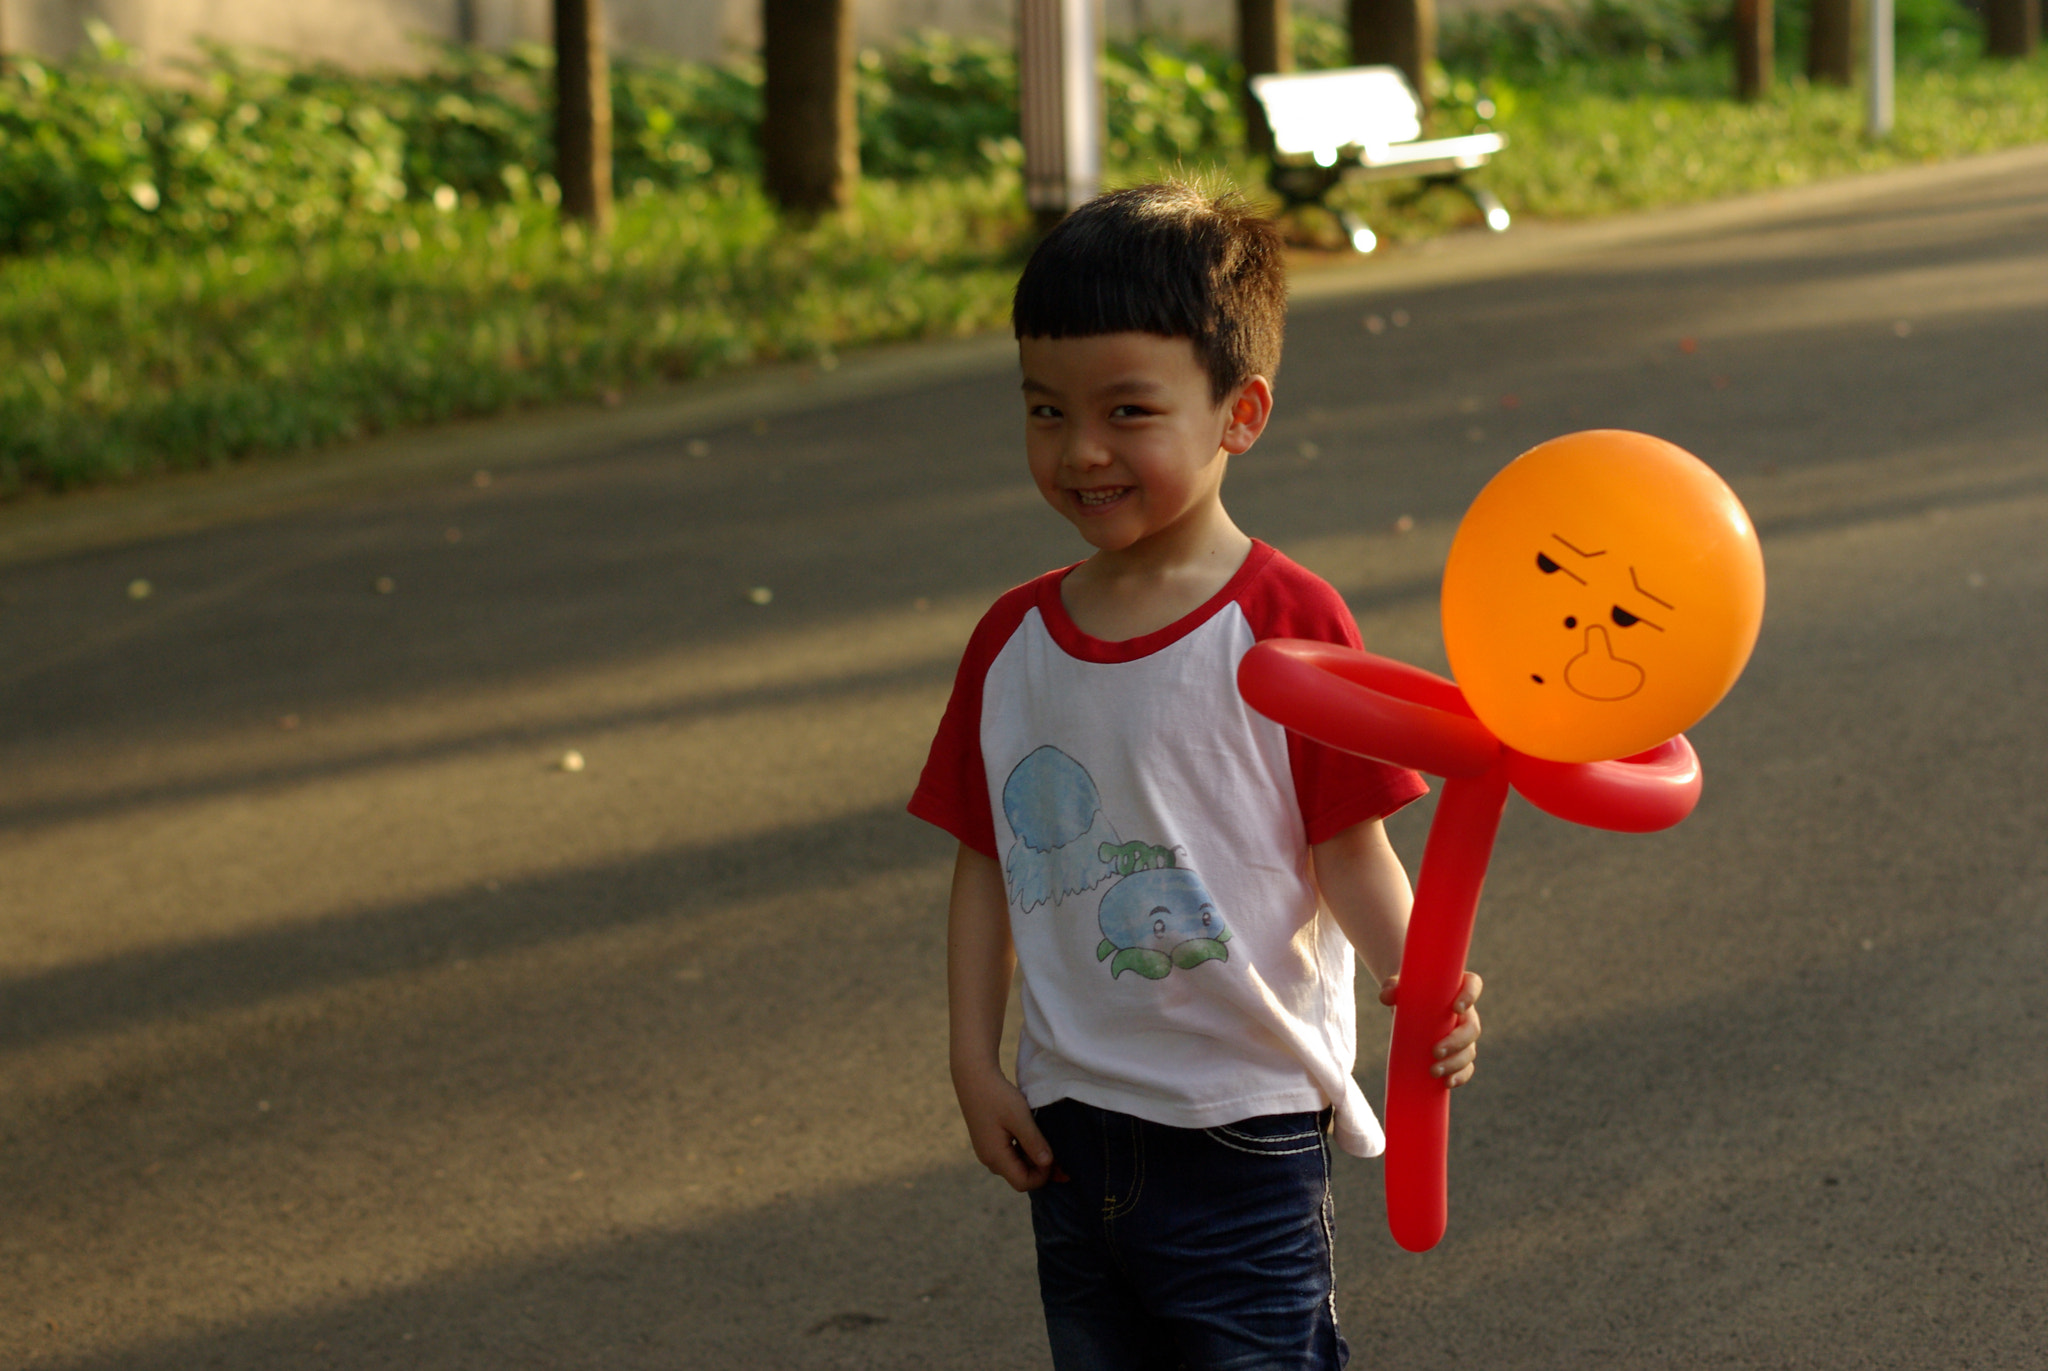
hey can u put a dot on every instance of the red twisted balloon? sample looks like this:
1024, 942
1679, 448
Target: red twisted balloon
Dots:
1357, 702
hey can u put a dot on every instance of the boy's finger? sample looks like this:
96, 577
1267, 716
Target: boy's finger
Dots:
1470, 991
1023, 1173
1467, 1031
1031, 1144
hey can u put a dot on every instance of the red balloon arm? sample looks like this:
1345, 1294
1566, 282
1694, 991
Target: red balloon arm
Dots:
1356, 702
1640, 794
1432, 970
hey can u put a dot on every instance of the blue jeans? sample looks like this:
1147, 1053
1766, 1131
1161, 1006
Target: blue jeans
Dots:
1191, 1248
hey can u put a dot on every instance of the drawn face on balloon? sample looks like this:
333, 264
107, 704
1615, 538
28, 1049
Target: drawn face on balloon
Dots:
1602, 594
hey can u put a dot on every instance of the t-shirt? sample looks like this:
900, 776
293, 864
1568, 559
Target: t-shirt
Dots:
1154, 835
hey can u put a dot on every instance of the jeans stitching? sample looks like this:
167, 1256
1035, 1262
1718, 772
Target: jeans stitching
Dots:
1111, 1209
1329, 1234
1253, 1137
1215, 1136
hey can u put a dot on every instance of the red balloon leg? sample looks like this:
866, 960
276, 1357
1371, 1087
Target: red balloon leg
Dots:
1432, 970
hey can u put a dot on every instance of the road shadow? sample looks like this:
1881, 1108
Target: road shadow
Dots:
848, 509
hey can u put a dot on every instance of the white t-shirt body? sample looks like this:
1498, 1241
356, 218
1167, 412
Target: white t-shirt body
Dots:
1154, 834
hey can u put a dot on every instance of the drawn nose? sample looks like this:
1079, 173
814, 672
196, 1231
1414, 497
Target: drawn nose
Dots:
1598, 674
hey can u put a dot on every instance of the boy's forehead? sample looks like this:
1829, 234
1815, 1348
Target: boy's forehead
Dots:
1109, 361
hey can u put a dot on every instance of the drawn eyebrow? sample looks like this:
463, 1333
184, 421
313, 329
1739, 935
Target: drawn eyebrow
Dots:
1581, 551
1644, 593
1547, 565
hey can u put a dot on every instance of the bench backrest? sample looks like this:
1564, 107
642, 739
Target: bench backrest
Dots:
1320, 111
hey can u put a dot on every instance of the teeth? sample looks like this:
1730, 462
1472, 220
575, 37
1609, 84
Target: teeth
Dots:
1097, 497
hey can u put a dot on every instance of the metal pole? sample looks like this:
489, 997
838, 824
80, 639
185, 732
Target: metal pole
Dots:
1880, 120
1061, 105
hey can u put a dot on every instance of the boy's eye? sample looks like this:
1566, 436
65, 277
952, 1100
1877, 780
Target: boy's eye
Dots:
1129, 412
1042, 412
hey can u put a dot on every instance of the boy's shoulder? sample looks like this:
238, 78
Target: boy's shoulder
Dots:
1000, 620
1284, 599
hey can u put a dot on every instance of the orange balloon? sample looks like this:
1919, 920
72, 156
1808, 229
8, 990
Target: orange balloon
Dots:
1602, 594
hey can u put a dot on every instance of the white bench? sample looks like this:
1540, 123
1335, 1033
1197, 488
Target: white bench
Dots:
1363, 124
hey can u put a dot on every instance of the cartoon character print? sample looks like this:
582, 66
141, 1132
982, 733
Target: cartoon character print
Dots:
1062, 833
1156, 916
1137, 857
1158, 919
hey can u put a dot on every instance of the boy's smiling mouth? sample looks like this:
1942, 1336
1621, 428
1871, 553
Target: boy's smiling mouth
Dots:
1098, 496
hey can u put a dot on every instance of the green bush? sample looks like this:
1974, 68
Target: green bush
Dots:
937, 106
250, 148
1530, 39
271, 257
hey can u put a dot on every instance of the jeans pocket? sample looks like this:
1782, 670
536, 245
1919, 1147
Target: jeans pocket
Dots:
1271, 1135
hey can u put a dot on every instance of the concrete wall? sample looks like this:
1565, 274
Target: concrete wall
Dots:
382, 33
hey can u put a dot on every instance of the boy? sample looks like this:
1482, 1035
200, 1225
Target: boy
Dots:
1182, 881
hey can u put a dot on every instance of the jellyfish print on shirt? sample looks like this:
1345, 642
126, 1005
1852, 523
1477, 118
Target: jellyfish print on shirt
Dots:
1056, 813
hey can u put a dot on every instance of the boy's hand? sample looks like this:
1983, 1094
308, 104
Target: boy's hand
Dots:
1457, 1054
1000, 1126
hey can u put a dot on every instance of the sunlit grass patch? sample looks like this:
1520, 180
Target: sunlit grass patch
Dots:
166, 351
115, 365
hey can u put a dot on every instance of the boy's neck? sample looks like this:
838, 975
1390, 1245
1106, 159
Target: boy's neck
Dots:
1128, 592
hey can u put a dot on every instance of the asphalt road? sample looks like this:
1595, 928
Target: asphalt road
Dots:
341, 1026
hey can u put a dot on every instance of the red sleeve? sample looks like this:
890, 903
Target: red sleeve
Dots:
952, 792
1334, 789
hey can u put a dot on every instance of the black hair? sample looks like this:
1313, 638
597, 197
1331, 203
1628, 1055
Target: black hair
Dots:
1170, 260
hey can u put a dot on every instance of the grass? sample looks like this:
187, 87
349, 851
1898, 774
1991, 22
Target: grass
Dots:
117, 365
112, 367
1639, 135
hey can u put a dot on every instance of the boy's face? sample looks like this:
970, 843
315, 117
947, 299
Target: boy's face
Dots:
1123, 438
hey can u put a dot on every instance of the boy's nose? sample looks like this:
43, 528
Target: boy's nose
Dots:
1086, 450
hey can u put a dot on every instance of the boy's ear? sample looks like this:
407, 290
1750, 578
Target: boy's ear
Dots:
1247, 412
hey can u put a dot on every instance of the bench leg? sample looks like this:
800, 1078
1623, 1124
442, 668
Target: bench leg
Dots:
1363, 239
1495, 212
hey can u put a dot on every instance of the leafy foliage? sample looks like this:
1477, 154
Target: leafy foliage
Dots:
938, 106
1534, 38
269, 257
250, 148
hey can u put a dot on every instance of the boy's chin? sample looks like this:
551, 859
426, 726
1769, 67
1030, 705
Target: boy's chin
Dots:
1104, 536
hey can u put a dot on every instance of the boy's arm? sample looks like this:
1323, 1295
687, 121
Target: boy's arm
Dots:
1366, 888
979, 960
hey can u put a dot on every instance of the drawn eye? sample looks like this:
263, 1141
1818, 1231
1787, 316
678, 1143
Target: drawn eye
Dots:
1159, 925
1206, 917
1624, 619
1546, 566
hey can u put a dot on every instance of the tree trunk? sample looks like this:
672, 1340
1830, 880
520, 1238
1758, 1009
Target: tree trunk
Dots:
1831, 42
2012, 28
1265, 33
583, 113
810, 142
1753, 56
1396, 33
